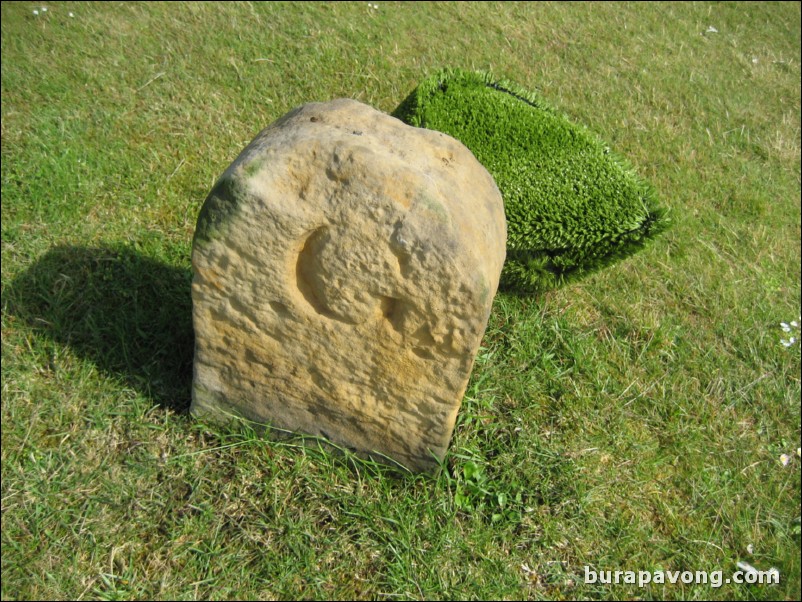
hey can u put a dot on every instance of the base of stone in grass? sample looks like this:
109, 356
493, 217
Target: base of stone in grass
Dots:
572, 205
344, 269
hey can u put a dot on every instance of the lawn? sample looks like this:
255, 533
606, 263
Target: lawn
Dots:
645, 418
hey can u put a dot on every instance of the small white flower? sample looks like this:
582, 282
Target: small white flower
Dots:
795, 324
774, 573
747, 568
785, 327
70, 15
750, 549
785, 459
711, 29
35, 12
799, 451
44, 9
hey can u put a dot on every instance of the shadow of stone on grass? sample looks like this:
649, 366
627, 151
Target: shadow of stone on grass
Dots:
129, 314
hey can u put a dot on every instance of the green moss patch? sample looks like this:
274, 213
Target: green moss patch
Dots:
572, 205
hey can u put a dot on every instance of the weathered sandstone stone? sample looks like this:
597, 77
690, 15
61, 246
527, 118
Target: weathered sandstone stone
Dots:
344, 269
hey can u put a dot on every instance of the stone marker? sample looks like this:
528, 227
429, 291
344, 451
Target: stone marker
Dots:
344, 269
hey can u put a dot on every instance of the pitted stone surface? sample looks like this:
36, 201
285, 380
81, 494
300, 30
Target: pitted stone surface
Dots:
344, 269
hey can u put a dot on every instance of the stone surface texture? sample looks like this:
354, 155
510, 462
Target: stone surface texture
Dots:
344, 269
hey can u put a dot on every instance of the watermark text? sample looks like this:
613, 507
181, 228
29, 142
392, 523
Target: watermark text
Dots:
713, 578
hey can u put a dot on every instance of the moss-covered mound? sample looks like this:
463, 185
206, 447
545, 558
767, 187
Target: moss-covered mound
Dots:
572, 206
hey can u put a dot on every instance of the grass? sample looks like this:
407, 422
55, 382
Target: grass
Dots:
631, 421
